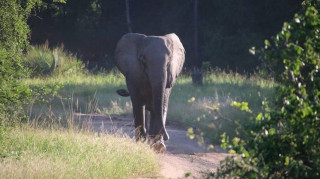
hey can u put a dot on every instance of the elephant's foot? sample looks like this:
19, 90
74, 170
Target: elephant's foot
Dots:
140, 138
157, 144
140, 134
159, 147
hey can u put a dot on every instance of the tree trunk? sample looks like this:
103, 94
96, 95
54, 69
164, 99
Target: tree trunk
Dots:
196, 59
128, 16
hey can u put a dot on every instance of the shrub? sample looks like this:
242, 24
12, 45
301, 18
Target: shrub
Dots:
284, 140
43, 61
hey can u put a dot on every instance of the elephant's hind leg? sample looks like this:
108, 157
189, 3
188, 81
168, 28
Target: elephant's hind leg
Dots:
147, 120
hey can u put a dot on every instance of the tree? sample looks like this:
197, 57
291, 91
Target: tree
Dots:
128, 16
283, 141
14, 36
195, 34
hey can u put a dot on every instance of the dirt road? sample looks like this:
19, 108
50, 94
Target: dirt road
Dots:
183, 156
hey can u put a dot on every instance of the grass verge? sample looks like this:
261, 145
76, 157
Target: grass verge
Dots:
28, 152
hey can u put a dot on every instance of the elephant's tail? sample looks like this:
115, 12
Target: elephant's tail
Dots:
123, 92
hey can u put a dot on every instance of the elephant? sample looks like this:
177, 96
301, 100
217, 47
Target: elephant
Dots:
151, 65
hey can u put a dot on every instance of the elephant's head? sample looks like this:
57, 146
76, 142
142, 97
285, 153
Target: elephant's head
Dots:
164, 54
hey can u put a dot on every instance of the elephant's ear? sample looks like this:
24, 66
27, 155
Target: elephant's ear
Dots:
177, 57
126, 54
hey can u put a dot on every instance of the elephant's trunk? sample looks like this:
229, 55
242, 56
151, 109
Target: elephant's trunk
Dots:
157, 125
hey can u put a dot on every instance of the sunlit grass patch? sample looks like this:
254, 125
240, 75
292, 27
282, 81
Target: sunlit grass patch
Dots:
217, 92
81, 89
110, 79
37, 153
222, 77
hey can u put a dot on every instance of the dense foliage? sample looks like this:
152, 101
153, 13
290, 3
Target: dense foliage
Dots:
284, 141
226, 29
14, 40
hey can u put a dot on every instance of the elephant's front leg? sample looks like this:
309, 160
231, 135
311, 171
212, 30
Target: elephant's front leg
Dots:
159, 114
157, 131
139, 121
157, 127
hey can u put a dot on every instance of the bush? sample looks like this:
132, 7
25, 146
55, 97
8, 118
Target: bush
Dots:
284, 140
43, 61
14, 34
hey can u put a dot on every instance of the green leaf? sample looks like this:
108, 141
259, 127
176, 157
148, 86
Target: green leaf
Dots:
235, 141
259, 117
287, 161
191, 100
188, 174
60, 1
272, 131
190, 133
267, 44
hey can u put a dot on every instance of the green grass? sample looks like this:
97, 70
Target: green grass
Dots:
217, 92
88, 93
96, 93
51, 144
28, 152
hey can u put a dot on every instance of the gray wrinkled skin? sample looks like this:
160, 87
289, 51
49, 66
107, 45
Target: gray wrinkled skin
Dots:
151, 65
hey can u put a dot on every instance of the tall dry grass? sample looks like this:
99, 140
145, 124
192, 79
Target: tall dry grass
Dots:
28, 152
58, 144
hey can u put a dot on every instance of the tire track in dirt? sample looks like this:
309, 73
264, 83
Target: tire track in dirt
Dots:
182, 156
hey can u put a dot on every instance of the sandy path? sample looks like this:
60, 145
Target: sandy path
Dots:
182, 156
